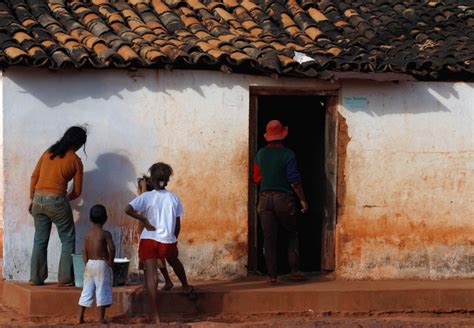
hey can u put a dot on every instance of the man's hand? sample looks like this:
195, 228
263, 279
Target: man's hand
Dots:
304, 206
298, 188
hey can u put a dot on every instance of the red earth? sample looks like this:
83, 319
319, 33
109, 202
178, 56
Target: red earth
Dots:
9, 318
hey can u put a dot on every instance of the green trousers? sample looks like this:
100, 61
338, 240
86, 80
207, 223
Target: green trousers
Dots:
47, 210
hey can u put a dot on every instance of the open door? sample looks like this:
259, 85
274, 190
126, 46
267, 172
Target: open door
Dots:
312, 120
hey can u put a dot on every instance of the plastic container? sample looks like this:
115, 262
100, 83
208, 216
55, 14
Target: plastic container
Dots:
78, 264
120, 270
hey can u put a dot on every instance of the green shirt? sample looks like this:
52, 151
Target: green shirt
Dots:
275, 168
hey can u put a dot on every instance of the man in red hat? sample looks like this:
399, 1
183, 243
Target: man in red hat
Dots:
276, 172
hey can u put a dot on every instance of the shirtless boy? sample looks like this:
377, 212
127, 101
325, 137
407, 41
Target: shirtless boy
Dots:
98, 254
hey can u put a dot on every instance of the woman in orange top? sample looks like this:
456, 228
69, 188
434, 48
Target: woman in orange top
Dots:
50, 204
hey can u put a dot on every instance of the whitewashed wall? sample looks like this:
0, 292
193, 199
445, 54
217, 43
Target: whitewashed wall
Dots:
408, 209
195, 121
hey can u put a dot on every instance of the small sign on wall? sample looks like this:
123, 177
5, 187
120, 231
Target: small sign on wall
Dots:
356, 102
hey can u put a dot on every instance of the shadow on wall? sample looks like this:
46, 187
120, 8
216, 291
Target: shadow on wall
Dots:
404, 97
109, 185
73, 86
387, 98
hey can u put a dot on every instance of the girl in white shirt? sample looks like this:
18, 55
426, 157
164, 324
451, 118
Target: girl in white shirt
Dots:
160, 211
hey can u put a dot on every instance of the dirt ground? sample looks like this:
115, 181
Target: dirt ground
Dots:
9, 318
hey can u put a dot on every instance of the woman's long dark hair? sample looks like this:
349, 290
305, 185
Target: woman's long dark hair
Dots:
74, 138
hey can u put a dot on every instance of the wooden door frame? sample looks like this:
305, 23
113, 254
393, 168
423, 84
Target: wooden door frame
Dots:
330, 168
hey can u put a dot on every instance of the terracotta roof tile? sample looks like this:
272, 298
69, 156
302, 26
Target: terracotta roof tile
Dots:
152, 55
224, 14
126, 53
427, 39
160, 7
47, 44
14, 53
316, 15
216, 53
61, 58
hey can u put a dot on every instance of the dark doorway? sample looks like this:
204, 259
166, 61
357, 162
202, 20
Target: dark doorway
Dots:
305, 118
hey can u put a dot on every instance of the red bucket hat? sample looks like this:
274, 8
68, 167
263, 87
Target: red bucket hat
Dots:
275, 131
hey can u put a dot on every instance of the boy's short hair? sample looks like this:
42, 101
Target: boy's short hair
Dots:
160, 172
98, 214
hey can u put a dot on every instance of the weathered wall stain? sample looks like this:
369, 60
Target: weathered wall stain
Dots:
384, 248
195, 121
342, 142
215, 209
403, 180
214, 204
405, 208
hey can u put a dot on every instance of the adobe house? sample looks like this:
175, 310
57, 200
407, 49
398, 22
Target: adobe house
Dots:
377, 95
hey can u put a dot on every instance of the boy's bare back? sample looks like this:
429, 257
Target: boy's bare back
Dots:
98, 245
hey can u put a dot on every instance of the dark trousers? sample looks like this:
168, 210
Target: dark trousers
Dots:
277, 209
47, 210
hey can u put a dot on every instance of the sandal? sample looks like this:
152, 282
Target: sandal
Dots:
191, 294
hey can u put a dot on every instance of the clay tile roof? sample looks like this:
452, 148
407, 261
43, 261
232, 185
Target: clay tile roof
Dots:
429, 39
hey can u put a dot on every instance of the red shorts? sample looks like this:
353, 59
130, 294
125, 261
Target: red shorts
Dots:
152, 249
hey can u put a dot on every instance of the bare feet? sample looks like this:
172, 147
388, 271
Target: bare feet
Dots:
167, 286
190, 293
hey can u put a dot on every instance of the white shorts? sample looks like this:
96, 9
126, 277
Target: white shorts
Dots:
97, 277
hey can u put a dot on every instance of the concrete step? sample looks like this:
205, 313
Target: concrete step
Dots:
254, 295
50, 300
